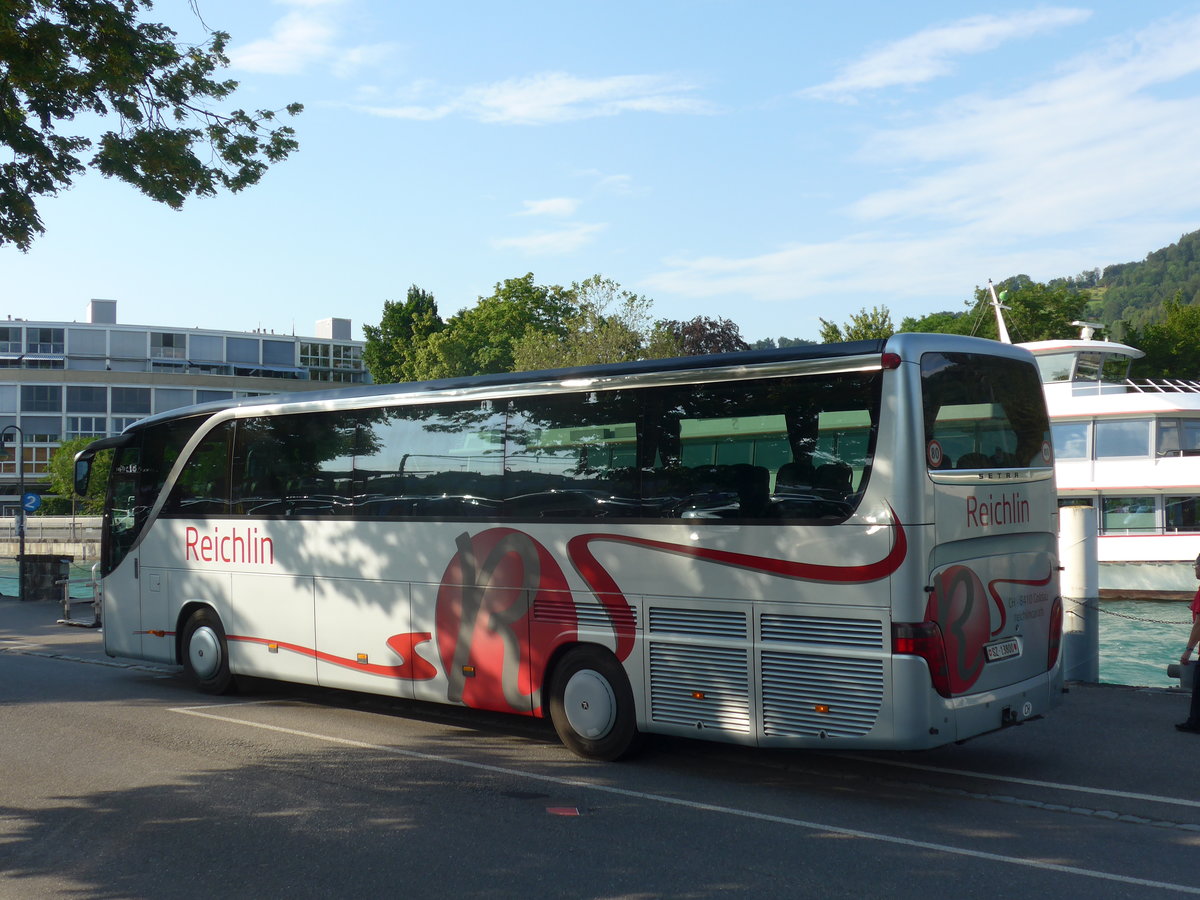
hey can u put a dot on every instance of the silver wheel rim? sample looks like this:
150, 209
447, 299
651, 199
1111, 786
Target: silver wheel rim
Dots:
204, 652
590, 704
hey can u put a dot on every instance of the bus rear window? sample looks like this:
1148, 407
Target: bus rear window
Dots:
983, 412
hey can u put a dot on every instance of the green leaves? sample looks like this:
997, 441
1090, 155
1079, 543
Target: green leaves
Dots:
60, 59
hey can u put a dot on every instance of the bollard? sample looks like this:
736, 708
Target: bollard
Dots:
1185, 672
1080, 582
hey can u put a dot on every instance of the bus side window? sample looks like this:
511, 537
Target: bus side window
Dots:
203, 485
571, 456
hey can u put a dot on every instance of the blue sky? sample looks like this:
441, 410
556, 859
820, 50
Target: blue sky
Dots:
768, 162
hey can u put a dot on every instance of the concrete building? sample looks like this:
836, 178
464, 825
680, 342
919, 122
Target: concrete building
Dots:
63, 380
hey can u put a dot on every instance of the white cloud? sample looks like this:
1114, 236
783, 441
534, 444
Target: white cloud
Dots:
1098, 158
297, 40
558, 97
306, 36
552, 243
929, 54
554, 206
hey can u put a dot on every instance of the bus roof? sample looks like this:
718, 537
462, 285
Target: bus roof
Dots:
748, 359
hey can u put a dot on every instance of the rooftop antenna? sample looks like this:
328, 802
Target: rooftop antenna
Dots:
998, 308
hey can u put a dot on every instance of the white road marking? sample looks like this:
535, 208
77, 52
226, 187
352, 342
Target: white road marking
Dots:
1012, 779
695, 805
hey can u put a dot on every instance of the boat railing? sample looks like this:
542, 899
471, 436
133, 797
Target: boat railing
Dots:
1163, 386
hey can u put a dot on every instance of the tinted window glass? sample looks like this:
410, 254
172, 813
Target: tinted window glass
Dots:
446, 460
139, 471
202, 488
764, 449
572, 455
983, 412
294, 465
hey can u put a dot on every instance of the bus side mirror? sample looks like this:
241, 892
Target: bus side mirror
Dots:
83, 474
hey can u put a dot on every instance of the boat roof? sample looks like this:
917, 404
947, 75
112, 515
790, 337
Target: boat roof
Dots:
1044, 348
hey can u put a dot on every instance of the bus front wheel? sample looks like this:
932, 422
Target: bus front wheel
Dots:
591, 705
205, 653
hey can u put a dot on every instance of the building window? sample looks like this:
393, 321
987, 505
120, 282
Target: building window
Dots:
120, 423
45, 340
86, 399
347, 356
314, 355
242, 350
41, 398
131, 400
37, 461
10, 339
168, 345
86, 426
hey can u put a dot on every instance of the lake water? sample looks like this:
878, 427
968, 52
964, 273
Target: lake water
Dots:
1138, 638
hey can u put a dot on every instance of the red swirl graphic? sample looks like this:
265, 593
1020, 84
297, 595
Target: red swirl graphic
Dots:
1037, 582
412, 668
609, 593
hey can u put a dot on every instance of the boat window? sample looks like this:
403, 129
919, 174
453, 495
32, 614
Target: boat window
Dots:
1116, 368
1127, 515
1122, 438
1070, 440
1088, 366
1178, 437
1182, 513
1055, 367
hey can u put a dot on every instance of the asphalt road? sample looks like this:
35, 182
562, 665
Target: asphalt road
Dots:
116, 780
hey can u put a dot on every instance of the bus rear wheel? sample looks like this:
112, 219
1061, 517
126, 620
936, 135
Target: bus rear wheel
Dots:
591, 705
205, 653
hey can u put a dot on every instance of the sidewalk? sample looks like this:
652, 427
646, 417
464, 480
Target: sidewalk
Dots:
32, 627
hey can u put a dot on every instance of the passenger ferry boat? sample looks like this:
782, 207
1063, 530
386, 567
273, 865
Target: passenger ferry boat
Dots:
1131, 449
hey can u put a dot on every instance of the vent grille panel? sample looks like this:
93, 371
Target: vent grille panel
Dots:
866, 633
714, 623
707, 687
564, 611
794, 686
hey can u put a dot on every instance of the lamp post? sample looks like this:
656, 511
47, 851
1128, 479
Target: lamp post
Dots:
20, 503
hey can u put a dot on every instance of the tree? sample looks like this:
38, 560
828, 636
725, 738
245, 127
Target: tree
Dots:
1034, 311
63, 59
479, 340
391, 346
699, 336
942, 323
61, 476
609, 324
1172, 346
864, 325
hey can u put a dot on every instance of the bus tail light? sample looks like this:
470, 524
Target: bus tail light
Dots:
1056, 630
924, 639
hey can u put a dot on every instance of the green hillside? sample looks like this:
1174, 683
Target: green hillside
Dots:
1135, 293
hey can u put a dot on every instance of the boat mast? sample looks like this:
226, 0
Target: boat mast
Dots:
998, 308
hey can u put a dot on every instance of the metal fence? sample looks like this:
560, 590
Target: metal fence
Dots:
53, 529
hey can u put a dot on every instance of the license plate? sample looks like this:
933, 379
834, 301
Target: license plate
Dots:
1002, 650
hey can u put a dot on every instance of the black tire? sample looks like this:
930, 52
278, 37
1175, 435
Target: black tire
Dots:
591, 705
205, 653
